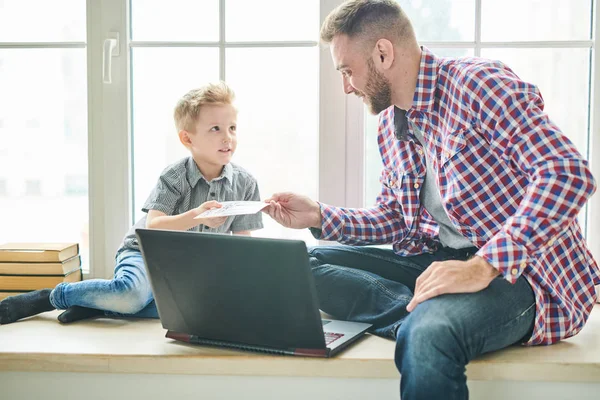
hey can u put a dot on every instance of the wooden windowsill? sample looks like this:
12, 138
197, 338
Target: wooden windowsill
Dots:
41, 344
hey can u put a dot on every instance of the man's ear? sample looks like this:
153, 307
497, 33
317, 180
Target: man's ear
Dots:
384, 53
184, 138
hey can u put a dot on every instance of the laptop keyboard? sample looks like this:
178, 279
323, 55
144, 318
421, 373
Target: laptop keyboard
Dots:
331, 337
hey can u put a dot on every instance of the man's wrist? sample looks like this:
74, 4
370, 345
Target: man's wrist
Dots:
318, 219
486, 268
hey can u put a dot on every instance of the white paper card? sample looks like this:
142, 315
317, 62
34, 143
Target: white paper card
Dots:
234, 208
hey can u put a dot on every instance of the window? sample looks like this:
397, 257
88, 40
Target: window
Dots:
93, 149
271, 63
548, 43
84, 154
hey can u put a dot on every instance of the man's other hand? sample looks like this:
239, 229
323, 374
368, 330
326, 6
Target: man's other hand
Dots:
452, 277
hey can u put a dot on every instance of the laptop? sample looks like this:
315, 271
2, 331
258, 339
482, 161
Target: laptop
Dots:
240, 292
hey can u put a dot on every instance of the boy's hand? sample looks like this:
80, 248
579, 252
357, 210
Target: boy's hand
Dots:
294, 211
211, 222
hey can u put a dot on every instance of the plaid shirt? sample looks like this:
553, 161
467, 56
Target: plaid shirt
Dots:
509, 180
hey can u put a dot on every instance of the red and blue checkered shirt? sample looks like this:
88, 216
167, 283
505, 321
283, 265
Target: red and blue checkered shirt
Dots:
510, 181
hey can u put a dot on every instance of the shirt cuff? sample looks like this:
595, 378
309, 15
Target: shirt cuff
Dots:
332, 223
507, 256
158, 207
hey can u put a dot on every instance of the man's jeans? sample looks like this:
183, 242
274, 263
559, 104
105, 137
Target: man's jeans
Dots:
127, 294
435, 342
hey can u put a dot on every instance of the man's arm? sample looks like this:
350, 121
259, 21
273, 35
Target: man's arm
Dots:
510, 114
383, 223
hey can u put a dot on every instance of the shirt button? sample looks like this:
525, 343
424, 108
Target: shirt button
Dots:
447, 155
514, 271
416, 185
550, 242
212, 194
523, 264
420, 151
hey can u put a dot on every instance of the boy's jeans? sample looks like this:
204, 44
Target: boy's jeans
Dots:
127, 294
435, 342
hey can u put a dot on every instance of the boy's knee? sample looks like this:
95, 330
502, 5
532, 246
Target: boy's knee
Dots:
128, 298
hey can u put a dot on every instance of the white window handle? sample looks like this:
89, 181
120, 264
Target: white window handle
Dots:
110, 49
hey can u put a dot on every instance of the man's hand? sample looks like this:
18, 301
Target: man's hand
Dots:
452, 277
294, 211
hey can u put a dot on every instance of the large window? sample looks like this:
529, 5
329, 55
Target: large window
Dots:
79, 153
546, 42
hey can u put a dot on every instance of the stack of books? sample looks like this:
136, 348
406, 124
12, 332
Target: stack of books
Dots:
31, 266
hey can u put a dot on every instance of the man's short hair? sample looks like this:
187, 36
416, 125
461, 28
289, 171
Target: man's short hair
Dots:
188, 107
371, 19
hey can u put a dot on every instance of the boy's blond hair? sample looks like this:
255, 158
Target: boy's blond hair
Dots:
188, 107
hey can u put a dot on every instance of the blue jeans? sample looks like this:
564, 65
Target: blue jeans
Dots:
437, 340
127, 294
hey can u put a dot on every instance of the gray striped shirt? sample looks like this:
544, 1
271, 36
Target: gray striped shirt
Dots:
182, 187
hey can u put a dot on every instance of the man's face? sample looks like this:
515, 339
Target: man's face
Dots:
359, 75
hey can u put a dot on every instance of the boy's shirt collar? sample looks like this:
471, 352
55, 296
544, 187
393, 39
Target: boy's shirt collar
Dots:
194, 174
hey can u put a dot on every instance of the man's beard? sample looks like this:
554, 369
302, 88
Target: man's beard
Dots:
378, 92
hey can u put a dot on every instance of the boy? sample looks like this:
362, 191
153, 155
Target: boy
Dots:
206, 121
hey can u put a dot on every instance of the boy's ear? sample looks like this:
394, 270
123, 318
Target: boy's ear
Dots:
184, 138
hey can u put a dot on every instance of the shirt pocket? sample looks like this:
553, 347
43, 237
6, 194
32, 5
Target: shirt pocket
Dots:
452, 145
403, 186
392, 180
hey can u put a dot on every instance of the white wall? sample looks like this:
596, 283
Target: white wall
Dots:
65, 386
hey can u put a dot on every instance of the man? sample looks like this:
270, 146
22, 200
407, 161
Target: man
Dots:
480, 196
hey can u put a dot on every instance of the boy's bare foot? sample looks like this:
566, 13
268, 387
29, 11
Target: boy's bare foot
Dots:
76, 313
24, 305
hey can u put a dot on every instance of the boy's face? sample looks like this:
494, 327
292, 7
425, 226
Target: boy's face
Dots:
215, 138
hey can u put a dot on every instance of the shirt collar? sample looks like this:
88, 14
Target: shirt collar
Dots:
194, 174
424, 96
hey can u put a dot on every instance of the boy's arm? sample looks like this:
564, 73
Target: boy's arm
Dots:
182, 222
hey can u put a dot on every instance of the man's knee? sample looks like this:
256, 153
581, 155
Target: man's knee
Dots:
429, 335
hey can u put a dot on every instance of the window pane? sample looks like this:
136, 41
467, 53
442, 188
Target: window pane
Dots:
43, 146
52, 21
160, 77
175, 20
529, 20
278, 129
441, 20
373, 163
271, 20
